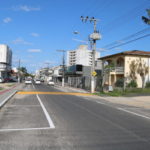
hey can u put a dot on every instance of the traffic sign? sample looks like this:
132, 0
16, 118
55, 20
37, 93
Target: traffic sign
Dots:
94, 73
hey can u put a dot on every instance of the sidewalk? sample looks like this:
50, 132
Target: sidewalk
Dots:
7, 93
70, 89
136, 101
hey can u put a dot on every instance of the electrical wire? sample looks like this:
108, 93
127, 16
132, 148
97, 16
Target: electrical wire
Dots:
128, 37
129, 41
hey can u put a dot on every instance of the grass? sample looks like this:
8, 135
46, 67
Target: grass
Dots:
127, 92
10, 85
1, 88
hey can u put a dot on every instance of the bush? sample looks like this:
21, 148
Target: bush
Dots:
147, 85
119, 83
132, 84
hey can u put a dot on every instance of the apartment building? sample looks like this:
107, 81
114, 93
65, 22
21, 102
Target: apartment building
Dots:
81, 56
5, 60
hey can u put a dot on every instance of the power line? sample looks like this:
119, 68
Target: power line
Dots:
123, 19
129, 41
128, 37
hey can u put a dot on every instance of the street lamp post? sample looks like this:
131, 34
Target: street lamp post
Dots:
63, 65
94, 37
19, 71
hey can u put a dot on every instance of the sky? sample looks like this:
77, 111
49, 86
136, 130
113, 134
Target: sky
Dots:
36, 29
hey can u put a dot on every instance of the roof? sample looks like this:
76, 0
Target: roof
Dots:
133, 52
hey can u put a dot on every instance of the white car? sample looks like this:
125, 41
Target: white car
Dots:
37, 82
1, 80
28, 81
51, 82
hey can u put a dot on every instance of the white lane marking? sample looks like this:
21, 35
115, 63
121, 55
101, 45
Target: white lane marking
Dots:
100, 102
51, 124
33, 86
24, 129
22, 106
133, 113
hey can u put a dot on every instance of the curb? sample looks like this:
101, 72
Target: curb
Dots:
73, 89
7, 98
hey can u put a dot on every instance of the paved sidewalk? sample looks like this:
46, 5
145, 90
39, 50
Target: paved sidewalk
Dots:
136, 101
70, 89
7, 93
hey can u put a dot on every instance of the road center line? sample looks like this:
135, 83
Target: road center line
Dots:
51, 124
133, 113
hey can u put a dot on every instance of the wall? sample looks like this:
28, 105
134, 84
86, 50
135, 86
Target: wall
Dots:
128, 60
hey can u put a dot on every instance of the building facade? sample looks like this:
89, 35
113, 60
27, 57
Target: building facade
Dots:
124, 66
81, 56
5, 60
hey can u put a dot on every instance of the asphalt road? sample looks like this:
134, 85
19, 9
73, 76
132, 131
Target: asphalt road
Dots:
67, 122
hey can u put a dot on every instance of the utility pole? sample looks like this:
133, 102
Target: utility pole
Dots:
63, 65
19, 71
94, 37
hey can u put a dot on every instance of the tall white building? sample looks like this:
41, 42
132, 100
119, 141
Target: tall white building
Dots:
81, 56
5, 60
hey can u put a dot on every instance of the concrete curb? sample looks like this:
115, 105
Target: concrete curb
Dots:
7, 98
72, 89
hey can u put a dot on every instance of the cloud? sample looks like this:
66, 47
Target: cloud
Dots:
34, 50
7, 20
21, 41
35, 34
26, 8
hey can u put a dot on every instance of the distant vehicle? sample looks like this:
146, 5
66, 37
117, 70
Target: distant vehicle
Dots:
1, 80
13, 79
50, 82
37, 82
42, 80
28, 81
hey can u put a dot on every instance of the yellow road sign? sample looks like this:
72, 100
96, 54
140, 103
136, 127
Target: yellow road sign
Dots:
94, 73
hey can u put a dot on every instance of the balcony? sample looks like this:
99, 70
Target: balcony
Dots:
4, 67
116, 70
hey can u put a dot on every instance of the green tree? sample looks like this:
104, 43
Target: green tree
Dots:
138, 67
23, 70
142, 70
133, 68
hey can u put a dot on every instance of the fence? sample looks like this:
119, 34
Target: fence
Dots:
83, 82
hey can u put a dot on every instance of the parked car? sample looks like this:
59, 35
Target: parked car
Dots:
37, 82
1, 80
50, 82
28, 81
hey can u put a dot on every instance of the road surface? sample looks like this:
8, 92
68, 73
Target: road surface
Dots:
68, 122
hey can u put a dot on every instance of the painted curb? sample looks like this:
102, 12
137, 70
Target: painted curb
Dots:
7, 98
